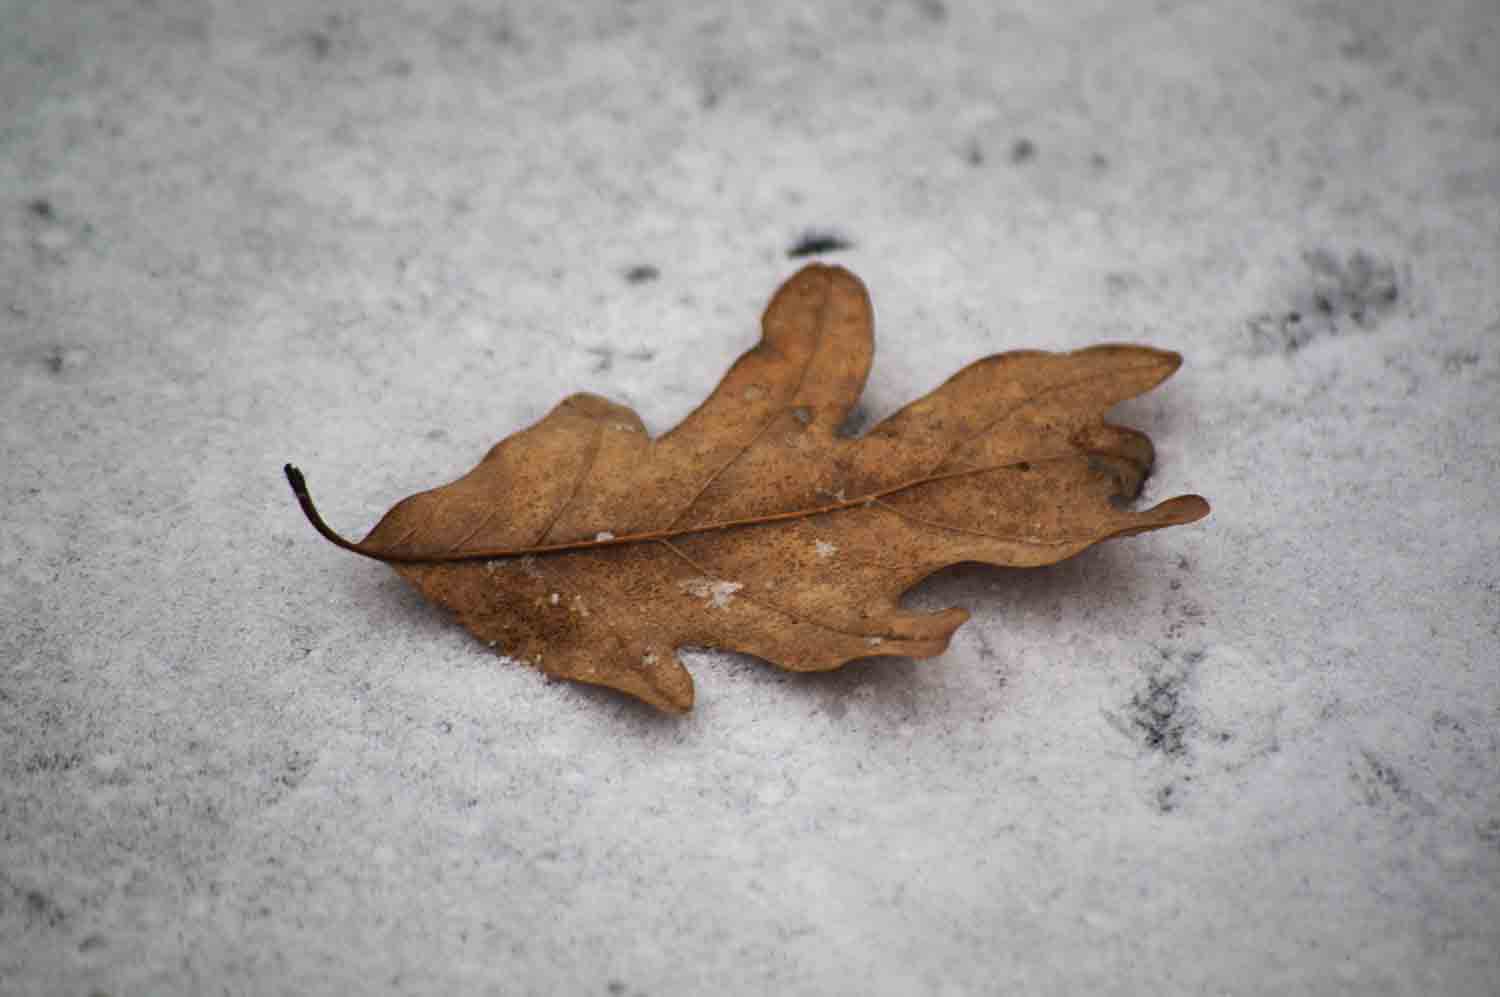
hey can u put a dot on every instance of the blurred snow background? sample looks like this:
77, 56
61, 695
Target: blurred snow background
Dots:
1256, 755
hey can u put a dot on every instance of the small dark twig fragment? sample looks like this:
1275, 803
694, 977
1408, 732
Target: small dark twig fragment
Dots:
815, 242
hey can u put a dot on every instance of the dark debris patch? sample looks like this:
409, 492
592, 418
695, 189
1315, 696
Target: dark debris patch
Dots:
641, 273
1361, 288
1168, 796
1022, 150
1455, 361
1157, 716
815, 242
933, 10
1381, 785
1339, 295
1160, 716
42, 909
52, 761
604, 358
60, 359
320, 44
41, 208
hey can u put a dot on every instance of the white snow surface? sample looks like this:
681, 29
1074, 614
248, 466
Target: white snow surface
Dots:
1256, 755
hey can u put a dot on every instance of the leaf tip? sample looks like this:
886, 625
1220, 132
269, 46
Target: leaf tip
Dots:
1163, 363
1182, 510
1177, 511
670, 689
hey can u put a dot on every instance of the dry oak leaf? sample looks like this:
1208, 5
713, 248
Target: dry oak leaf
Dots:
594, 552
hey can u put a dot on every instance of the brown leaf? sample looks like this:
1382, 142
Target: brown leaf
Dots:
594, 552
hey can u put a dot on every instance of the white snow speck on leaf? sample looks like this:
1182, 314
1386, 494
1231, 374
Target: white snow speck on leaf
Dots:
604, 535
825, 549
718, 593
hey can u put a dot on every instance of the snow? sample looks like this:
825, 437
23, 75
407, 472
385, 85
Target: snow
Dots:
718, 593
1256, 755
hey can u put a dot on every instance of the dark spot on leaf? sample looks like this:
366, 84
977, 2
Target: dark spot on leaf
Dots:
1023, 150
1023, 466
816, 241
641, 273
854, 423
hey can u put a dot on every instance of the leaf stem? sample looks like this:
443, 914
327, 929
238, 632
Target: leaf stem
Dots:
299, 488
